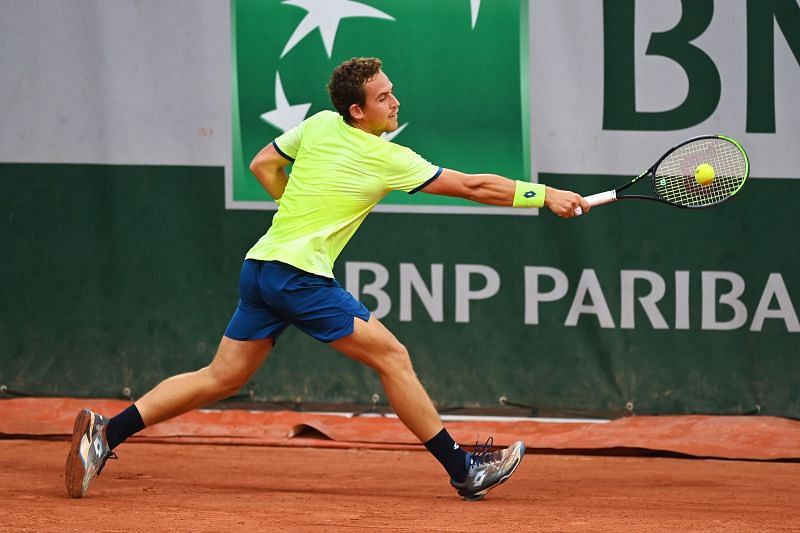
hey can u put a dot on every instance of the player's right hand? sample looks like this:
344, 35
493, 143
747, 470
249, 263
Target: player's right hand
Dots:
563, 203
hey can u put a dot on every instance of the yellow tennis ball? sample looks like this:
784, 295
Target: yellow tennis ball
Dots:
704, 174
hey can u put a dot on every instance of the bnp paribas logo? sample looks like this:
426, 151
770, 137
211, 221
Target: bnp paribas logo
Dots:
448, 61
326, 17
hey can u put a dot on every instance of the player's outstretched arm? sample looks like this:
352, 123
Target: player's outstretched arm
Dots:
268, 167
492, 189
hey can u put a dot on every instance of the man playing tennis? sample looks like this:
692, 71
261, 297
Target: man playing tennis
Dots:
341, 170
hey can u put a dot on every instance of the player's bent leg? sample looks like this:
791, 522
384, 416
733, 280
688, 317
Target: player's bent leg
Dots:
375, 346
232, 367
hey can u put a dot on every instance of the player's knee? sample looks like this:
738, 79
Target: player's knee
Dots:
396, 360
227, 380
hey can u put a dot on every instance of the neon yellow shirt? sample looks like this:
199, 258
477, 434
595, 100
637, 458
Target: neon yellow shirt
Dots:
339, 174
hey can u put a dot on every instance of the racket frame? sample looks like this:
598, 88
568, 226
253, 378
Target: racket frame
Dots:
614, 194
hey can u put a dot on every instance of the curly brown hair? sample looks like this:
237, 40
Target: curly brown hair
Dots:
346, 86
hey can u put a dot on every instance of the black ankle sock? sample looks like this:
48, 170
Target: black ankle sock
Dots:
123, 426
450, 454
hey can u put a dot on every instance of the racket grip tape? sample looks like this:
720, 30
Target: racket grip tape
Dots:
598, 199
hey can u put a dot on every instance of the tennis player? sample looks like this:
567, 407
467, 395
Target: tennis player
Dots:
341, 168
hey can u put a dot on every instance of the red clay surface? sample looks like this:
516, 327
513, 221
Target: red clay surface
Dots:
172, 487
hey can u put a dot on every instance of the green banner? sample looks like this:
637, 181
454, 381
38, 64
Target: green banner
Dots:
117, 282
450, 65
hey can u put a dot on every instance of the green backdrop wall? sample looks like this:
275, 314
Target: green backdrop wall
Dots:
118, 277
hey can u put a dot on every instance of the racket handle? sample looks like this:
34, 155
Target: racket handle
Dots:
598, 199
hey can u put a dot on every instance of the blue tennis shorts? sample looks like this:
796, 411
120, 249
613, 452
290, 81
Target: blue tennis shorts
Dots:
274, 295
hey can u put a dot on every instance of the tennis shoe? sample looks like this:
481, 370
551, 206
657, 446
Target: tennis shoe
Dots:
89, 452
488, 469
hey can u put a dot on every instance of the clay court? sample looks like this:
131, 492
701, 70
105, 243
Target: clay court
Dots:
165, 487
318, 472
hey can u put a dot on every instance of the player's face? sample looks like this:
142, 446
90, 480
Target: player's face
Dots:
379, 113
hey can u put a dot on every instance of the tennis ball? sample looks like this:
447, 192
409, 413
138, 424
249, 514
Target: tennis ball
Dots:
704, 174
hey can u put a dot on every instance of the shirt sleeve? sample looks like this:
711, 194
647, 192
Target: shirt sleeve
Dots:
288, 144
407, 171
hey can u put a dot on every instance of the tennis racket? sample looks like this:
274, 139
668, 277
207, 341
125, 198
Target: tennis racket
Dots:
700, 172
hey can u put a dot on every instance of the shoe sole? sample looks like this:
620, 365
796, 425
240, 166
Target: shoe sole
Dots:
482, 494
75, 469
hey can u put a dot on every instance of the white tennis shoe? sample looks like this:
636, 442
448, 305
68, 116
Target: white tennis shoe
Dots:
489, 469
89, 452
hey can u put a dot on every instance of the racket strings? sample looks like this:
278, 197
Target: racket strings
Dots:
674, 178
